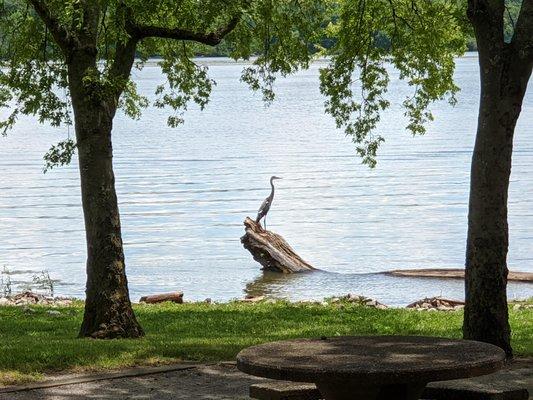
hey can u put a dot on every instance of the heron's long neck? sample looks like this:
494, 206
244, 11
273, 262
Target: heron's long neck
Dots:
272, 192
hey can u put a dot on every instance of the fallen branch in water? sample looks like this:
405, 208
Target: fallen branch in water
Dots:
271, 250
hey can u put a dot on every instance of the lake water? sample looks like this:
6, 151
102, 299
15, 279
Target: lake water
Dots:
185, 192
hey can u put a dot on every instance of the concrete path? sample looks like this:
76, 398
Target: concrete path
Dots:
177, 382
202, 382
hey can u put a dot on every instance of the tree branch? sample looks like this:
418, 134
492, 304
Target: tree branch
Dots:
487, 18
125, 51
123, 63
523, 34
61, 34
210, 38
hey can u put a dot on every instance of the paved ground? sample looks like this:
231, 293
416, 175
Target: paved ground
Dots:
204, 382
200, 382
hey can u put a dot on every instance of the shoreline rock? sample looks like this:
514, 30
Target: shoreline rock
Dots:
437, 303
27, 298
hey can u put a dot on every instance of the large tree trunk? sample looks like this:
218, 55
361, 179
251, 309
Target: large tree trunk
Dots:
503, 85
108, 311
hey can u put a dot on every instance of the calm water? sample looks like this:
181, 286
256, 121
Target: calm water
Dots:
184, 193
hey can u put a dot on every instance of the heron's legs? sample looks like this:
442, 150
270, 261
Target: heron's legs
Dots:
265, 222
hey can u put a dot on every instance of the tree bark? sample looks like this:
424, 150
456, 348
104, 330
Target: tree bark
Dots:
108, 311
503, 84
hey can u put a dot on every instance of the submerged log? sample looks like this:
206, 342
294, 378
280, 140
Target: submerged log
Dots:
513, 276
175, 297
271, 250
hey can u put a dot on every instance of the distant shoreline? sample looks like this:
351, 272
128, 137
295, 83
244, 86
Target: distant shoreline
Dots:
453, 273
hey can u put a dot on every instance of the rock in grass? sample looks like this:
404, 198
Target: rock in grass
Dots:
28, 297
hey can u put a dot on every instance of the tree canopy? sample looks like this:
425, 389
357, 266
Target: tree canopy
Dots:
419, 38
425, 37
36, 35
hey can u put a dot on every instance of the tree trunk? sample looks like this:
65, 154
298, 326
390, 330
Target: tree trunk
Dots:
108, 311
503, 85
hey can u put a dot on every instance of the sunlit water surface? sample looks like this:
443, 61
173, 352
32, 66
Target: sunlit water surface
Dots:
184, 193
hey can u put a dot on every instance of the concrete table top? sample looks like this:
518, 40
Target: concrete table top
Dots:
345, 364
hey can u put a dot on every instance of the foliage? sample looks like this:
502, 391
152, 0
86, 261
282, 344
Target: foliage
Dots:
288, 33
34, 74
37, 342
425, 36
59, 154
364, 38
419, 38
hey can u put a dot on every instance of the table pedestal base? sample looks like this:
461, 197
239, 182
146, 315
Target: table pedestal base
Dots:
352, 391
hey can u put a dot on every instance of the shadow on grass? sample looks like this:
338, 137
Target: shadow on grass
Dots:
37, 342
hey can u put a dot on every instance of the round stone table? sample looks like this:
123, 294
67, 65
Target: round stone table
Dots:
371, 367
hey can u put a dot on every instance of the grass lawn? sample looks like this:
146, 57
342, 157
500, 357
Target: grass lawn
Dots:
35, 343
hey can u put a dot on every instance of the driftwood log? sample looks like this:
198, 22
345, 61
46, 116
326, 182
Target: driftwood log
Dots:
513, 276
271, 250
175, 297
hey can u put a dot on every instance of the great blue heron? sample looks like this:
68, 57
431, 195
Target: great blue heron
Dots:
265, 207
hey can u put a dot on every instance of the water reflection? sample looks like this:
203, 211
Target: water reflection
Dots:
269, 283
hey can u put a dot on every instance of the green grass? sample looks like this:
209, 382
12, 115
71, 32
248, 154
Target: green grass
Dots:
36, 343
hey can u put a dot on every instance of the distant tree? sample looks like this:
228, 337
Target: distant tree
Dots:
63, 55
425, 36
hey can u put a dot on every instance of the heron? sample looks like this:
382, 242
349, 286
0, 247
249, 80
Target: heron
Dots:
265, 207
